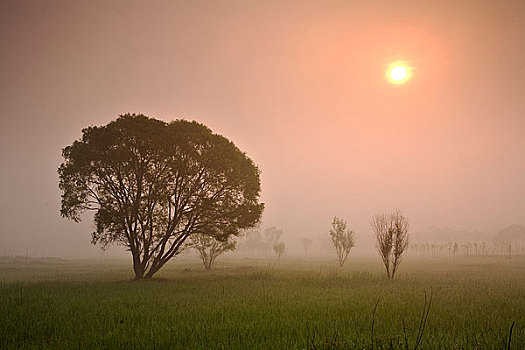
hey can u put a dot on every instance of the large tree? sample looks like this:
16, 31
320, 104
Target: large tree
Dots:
153, 184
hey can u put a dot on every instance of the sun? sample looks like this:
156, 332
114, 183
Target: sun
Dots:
398, 72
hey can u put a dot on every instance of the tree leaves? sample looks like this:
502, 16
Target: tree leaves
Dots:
153, 184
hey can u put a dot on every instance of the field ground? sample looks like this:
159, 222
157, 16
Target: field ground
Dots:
250, 303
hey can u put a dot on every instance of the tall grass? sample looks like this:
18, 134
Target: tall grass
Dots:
258, 304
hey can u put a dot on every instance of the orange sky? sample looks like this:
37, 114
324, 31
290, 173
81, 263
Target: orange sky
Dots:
299, 85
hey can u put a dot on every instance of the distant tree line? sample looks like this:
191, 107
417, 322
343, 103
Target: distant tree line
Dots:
509, 241
263, 242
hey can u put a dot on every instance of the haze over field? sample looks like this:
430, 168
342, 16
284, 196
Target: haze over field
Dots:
299, 86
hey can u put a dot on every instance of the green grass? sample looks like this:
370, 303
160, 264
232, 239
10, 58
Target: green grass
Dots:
261, 304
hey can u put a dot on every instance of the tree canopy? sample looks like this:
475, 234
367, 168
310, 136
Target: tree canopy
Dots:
153, 184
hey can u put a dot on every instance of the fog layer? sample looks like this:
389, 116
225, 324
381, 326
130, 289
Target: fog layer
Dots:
300, 86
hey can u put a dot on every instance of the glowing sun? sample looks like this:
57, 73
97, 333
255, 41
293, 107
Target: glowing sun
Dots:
398, 72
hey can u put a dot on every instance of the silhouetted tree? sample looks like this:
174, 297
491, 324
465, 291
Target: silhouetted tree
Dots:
154, 184
210, 248
391, 234
509, 237
279, 248
342, 239
252, 241
272, 236
306, 242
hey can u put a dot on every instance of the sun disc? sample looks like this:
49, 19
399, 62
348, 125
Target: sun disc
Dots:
398, 72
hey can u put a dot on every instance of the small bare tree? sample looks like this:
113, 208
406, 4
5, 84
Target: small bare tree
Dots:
342, 239
391, 234
279, 249
210, 248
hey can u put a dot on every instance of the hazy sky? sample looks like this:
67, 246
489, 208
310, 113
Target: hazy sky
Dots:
299, 85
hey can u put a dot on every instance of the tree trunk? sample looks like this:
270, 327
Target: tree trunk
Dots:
153, 269
138, 267
139, 271
208, 264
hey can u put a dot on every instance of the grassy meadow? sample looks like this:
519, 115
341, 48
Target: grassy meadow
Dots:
258, 303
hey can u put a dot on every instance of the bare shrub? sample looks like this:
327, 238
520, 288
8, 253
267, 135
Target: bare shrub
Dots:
391, 234
210, 248
342, 239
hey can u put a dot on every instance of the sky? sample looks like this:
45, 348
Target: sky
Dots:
300, 86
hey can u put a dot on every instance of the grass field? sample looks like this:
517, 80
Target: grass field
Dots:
250, 303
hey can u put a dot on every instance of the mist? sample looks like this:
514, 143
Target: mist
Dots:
299, 86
